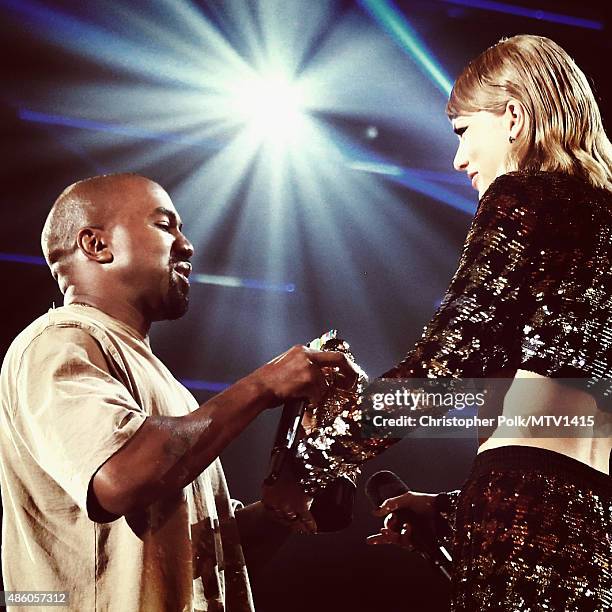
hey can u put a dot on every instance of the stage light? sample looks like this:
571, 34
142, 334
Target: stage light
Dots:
244, 112
270, 104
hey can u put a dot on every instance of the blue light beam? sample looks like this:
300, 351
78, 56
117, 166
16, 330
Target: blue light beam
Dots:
392, 20
421, 181
521, 11
116, 128
356, 158
204, 385
204, 279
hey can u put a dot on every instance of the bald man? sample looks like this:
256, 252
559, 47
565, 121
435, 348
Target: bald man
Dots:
111, 483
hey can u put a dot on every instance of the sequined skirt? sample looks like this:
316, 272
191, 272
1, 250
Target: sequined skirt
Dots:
533, 532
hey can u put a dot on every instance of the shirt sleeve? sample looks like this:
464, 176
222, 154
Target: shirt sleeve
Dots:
472, 334
72, 414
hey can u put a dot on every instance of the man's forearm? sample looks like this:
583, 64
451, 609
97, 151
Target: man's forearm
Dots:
167, 453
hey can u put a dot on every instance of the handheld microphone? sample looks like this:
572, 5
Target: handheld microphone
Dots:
384, 485
285, 439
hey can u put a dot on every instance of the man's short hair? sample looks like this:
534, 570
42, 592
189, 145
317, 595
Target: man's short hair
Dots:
84, 203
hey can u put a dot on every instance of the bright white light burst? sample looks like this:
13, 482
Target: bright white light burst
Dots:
235, 105
271, 105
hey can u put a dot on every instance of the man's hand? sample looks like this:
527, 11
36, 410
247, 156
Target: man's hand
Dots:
297, 374
288, 504
394, 531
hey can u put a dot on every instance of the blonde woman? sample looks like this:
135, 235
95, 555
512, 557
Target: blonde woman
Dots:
531, 298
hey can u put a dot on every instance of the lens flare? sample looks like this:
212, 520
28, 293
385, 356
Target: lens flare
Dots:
271, 105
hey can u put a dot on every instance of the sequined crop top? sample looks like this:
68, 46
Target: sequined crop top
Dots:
532, 291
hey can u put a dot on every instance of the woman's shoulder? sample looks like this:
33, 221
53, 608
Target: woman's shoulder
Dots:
539, 189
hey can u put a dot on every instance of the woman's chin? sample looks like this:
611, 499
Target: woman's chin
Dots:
482, 186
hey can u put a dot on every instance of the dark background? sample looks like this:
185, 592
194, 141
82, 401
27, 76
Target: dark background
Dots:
371, 256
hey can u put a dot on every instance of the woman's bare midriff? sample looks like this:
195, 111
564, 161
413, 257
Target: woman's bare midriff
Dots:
543, 397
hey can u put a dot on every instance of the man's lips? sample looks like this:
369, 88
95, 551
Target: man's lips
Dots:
183, 268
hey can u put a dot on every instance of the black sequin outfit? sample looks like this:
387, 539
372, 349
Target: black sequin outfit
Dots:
533, 531
532, 291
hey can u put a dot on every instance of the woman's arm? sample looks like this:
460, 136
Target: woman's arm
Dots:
473, 334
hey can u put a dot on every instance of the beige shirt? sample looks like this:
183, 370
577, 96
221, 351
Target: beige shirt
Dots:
75, 386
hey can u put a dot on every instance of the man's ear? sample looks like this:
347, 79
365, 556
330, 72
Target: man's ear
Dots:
93, 244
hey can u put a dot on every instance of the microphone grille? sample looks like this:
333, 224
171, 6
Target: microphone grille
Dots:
383, 485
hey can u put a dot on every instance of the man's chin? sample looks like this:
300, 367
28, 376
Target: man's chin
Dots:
177, 304
177, 310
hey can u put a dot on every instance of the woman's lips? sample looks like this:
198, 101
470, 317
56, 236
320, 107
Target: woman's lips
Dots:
474, 180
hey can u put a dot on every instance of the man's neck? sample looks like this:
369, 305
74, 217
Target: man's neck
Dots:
122, 311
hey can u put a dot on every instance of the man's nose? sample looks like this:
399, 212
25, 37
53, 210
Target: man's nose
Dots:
184, 247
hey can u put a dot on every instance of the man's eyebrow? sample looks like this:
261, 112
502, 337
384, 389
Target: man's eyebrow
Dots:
162, 210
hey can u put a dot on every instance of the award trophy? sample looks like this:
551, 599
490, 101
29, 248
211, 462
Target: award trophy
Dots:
332, 506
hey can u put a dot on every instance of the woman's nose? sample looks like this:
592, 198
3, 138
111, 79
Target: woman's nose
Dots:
460, 162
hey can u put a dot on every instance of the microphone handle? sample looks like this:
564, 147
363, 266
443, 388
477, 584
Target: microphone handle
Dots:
286, 436
384, 485
424, 540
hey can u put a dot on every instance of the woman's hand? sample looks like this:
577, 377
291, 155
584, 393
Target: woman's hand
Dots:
397, 527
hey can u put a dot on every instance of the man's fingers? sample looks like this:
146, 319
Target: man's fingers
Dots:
328, 358
318, 387
335, 359
300, 373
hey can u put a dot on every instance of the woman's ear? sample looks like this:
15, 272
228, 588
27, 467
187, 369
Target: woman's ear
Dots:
514, 118
92, 243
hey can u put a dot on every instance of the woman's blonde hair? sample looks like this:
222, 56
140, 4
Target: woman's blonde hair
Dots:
564, 130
